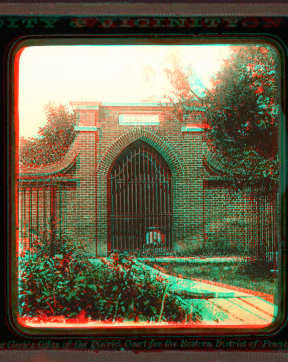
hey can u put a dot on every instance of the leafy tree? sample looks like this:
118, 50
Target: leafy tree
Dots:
243, 111
179, 92
241, 143
53, 141
182, 96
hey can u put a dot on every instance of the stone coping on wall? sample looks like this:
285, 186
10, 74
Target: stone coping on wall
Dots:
95, 105
85, 105
111, 104
88, 128
44, 181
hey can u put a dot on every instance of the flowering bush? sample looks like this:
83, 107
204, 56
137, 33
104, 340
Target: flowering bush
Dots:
138, 295
69, 285
60, 283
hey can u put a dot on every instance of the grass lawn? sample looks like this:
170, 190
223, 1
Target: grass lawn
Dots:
225, 273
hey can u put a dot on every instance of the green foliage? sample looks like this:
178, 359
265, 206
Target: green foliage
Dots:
130, 295
180, 82
243, 111
180, 97
217, 247
149, 252
184, 100
54, 138
59, 283
68, 284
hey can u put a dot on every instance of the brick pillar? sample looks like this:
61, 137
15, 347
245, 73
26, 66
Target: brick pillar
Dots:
194, 217
87, 128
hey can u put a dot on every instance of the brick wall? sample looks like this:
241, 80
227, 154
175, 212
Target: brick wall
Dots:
98, 148
203, 211
244, 221
181, 152
224, 215
46, 202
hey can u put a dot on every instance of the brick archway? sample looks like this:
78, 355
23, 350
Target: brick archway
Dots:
139, 200
161, 143
168, 151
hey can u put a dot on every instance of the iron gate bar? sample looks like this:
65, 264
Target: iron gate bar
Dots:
122, 225
37, 213
117, 206
266, 228
44, 216
266, 237
149, 200
132, 206
114, 206
30, 219
120, 210
141, 195
24, 213
152, 187
156, 198
128, 203
65, 209
34, 219
60, 210
140, 186
124, 209
127, 187
144, 192
270, 233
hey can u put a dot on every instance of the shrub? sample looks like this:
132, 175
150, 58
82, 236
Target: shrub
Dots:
139, 295
55, 283
68, 284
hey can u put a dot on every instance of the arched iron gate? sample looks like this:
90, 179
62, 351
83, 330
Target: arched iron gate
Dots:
139, 200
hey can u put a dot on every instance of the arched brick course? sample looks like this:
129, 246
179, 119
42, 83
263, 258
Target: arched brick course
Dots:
73, 192
169, 152
161, 143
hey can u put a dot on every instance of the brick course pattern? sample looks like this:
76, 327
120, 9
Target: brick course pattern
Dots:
71, 196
